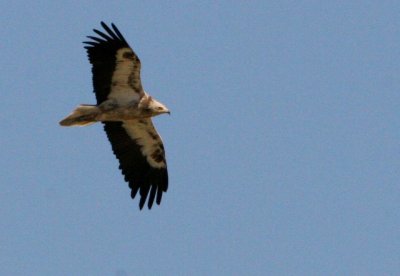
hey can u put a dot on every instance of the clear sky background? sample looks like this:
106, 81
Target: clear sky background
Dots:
283, 144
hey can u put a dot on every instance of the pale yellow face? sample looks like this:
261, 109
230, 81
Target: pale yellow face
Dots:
158, 108
151, 107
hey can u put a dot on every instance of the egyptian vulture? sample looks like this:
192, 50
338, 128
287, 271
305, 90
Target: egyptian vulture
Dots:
125, 109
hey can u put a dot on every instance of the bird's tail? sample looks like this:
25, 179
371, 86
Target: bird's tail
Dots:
83, 115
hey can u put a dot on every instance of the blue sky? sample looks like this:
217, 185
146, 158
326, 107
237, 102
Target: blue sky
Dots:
283, 143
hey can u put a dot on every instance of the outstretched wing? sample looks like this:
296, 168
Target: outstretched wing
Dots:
141, 155
115, 66
136, 143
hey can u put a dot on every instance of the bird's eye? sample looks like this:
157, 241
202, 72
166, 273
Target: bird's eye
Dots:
159, 108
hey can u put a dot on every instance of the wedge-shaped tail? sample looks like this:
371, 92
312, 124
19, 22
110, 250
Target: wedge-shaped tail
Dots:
83, 115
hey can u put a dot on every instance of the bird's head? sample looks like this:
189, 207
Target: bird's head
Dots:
151, 107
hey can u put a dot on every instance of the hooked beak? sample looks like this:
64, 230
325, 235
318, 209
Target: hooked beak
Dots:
166, 110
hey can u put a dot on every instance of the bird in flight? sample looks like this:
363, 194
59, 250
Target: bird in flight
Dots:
125, 110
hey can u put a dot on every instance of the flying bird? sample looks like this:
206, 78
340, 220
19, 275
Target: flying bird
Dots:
125, 109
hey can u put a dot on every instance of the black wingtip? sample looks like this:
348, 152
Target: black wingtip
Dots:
152, 196
134, 191
110, 37
159, 196
95, 38
142, 202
